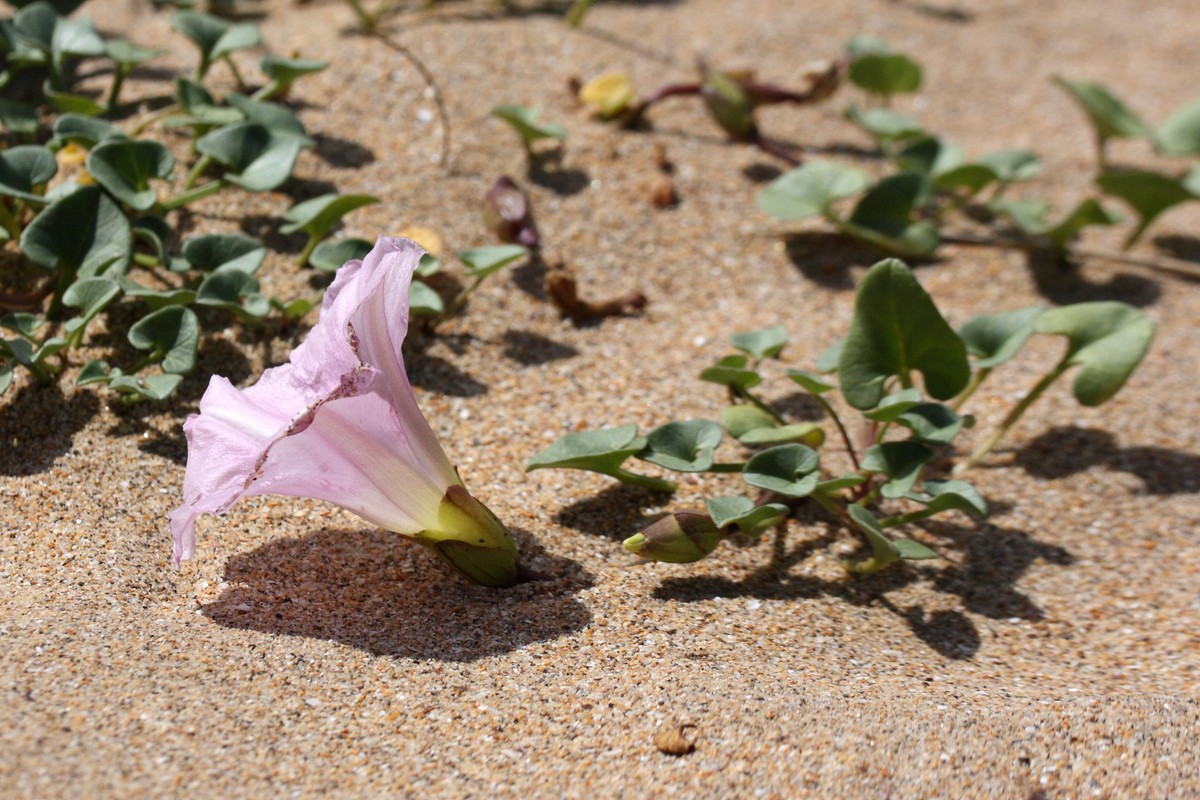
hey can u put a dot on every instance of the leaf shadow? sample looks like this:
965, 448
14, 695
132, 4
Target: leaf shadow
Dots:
546, 171
615, 512
1185, 248
1067, 450
437, 374
532, 349
38, 424
1062, 283
343, 153
367, 589
825, 257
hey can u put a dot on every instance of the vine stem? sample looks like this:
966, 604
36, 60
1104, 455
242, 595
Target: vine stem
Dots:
645, 481
1173, 266
439, 100
1013, 416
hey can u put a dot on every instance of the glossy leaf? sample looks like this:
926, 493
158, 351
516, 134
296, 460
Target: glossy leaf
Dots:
525, 122
750, 519
993, 339
1147, 193
125, 168
211, 252
759, 344
235, 291
259, 159
810, 381
789, 469
84, 232
84, 131
945, 495
18, 118
214, 36
897, 330
885, 217
885, 73
900, 461
330, 256
25, 168
810, 190
731, 371
171, 334
483, 261
603, 450
1180, 134
1109, 116
1106, 340
682, 446
808, 433
423, 300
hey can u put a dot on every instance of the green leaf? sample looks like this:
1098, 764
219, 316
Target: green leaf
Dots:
151, 387
75, 38
1147, 193
94, 371
765, 343
90, 296
885, 217
211, 252
750, 519
827, 362
1106, 340
1180, 134
172, 335
1028, 215
525, 122
968, 179
68, 103
428, 265
1011, 165
424, 300
810, 190
891, 407
125, 169
932, 423
1088, 212
154, 231
900, 461
863, 45
731, 371
885, 125
897, 329
884, 551
84, 232
278, 119
20, 119
260, 159
602, 451
885, 73
810, 381
330, 256
1109, 116
789, 469
316, 216
929, 156
84, 131
293, 309
837, 484
156, 298
214, 37
682, 446
285, 71
22, 322
127, 55
483, 261
993, 339
808, 433
233, 290
942, 496
741, 419
25, 168
33, 28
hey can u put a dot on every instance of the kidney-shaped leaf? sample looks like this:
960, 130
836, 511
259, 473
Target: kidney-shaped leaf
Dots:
731, 371
23, 168
900, 461
682, 446
601, 451
765, 343
885, 73
214, 36
125, 169
810, 190
91, 295
330, 256
1087, 213
316, 216
884, 551
259, 158
84, 131
1180, 134
789, 469
993, 339
944, 495
85, 232
1011, 165
170, 334
234, 291
1106, 340
224, 251
932, 423
741, 419
1148, 193
525, 122
1109, 116
897, 329
751, 519
483, 261
885, 216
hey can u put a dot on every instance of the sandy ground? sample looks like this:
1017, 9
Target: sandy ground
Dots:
1051, 654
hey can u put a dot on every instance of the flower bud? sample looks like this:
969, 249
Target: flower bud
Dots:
508, 214
680, 538
729, 105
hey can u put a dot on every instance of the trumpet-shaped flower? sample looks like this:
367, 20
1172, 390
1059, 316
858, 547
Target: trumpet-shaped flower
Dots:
339, 422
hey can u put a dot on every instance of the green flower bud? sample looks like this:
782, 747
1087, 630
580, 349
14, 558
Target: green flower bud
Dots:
471, 540
680, 538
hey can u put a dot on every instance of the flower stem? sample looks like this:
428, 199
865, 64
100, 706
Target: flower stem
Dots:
1013, 416
197, 170
976, 381
195, 194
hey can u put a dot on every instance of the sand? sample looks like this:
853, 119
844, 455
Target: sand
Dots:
1053, 652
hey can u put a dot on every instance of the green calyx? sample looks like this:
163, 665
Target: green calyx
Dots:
680, 538
472, 541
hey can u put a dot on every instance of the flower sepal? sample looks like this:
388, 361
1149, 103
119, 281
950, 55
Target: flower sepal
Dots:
471, 540
679, 538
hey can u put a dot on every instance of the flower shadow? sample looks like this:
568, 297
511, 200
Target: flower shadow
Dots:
366, 589
38, 423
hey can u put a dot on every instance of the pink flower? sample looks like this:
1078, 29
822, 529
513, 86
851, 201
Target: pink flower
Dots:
339, 422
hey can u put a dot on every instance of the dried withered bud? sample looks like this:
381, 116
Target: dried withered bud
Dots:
563, 290
679, 538
662, 192
508, 213
672, 740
